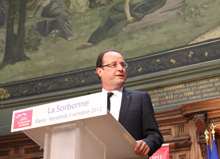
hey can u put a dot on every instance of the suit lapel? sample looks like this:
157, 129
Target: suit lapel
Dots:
126, 97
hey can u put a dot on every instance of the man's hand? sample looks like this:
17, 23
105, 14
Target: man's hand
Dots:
141, 148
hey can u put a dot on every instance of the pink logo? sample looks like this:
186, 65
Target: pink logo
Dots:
162, 153
23, 119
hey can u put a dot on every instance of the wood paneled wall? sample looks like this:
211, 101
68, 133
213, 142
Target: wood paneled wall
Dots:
19, 146
182, 128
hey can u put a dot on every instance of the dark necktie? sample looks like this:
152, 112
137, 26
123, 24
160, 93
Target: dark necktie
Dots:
108, 100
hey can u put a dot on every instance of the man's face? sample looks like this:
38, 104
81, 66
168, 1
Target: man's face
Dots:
113, 74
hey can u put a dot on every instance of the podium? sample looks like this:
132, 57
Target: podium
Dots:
94, 135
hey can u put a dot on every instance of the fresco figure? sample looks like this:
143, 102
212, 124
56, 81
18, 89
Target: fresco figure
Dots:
95, 3
55, 18
79, 5
105, 2
119, 16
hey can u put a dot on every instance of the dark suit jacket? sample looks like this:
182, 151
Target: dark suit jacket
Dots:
137, 117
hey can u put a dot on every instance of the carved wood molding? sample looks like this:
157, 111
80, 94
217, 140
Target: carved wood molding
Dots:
203, 113
207, 106
184, 144
173, 126
170, 117
19, 146
201, 125
214, 117
19, 139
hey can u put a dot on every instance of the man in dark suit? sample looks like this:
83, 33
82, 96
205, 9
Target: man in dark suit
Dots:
133, 109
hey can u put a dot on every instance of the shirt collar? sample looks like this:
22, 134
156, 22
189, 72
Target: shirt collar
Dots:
116, 92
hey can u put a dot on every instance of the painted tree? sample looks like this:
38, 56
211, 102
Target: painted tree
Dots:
15, 33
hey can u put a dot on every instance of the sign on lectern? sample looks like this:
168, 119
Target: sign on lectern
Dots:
76, 128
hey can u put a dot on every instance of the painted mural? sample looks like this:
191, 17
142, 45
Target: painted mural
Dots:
47, 38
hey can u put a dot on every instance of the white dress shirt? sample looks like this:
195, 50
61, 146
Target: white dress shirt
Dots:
115, 102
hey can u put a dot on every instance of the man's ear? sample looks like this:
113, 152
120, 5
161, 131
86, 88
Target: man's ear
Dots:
99, 71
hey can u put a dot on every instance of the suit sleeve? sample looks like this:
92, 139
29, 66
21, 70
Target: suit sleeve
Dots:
153, 137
